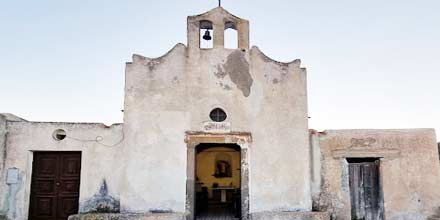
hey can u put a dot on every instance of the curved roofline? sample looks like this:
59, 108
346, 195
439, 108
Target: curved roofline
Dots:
264, 56
172, 50
11, 117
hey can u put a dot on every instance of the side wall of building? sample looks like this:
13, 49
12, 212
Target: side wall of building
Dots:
155, 123
171, 95
99, 145
409, 170
3, 186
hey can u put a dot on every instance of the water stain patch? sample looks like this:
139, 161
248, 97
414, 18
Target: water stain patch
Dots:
220, 72
237, 67
101, 202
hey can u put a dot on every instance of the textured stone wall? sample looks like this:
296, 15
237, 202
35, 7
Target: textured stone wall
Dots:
409, 170
3, 191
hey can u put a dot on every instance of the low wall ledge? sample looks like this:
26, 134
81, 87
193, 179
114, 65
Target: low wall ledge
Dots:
149, 216
290, 216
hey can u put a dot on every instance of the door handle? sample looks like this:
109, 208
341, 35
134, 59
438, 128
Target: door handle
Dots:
58, 184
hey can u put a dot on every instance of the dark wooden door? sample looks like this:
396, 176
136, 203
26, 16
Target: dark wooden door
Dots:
365, 191
55, 185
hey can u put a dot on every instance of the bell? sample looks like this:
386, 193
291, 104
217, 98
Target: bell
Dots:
207, 35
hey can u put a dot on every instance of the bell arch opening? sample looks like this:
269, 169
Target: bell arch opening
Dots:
231, 35
206, 34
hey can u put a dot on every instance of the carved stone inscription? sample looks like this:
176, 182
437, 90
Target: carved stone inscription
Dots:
362, 142
217, 127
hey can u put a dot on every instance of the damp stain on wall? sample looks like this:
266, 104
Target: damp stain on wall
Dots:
237, 67
101, 202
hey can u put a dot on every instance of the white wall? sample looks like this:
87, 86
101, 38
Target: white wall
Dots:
98, 161
167, 96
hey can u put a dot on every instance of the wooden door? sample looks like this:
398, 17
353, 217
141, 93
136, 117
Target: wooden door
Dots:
365, 191
55, 185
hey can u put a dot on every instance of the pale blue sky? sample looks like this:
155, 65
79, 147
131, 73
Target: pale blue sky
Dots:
371, 64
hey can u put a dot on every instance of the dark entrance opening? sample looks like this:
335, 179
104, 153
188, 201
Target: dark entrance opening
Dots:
218, 182
365, 189
55, 185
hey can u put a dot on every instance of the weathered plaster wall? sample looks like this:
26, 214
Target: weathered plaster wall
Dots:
167, 96
315, 169
99, 162
278, 120
3, 191
155, 124
409, 170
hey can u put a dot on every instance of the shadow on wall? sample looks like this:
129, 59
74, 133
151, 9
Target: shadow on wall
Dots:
101, 202
438, 144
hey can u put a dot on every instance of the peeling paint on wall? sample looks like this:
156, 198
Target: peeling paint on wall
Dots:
237, 67
220, 72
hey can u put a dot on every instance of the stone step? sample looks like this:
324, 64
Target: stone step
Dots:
291, 216
152, 216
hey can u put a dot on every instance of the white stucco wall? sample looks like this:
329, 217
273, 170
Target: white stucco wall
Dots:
167, 96
99, 162
145, 161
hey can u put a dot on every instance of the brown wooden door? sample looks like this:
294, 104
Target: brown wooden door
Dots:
55, 185
365, 191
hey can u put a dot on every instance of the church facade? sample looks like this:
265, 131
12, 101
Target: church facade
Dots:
209, 131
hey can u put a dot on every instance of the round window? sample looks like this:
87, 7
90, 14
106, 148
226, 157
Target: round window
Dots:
218, 115
59, 134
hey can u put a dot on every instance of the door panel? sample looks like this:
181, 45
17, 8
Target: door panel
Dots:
46, 165
365, 191
55, 185
67, 206
44, 207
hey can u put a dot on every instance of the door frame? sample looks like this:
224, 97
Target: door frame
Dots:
361, 160
29, 172
242, 139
